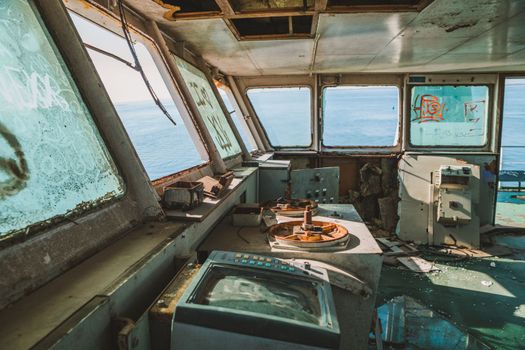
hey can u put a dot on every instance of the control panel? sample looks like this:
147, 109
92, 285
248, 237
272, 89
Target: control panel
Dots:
268, 263
320, 184
454, 195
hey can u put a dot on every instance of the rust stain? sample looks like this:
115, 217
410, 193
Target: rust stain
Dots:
460, 26
171, 9
492, 167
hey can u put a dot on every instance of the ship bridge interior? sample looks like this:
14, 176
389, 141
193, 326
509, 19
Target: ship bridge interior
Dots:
267, 174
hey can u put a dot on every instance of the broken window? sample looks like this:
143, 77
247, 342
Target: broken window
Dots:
448, 115
209, 108
53, 161
163, 148
285, 114
360, 116
240, 124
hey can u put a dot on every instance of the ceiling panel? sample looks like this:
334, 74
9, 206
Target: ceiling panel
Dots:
506, 37
358, 33
280, 55
447, 35
465, 18
341, 63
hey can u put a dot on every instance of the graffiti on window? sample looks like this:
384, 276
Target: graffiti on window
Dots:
447, 115
428, 109
53, 161
210, 109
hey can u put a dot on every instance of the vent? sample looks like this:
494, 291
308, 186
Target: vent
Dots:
377, 5
192, 7
243, 6
273, 27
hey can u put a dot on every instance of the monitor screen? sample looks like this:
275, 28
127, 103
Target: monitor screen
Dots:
274, 294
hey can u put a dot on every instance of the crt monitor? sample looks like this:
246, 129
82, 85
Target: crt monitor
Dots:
261, 301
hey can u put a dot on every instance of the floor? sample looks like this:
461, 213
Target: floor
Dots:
485, 297
510, 210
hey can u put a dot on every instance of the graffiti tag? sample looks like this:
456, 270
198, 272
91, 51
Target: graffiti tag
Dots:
205, 104
474, 110
16, 169
429, 109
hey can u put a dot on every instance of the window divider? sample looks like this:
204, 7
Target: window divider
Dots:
217, 162
240, 91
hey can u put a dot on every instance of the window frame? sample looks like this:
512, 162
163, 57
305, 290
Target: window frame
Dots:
228, 160
160, 64
398, 137
312, 123
100, 216
238, 114
439, 148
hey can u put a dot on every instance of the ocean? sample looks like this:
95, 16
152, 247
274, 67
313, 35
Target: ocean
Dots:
165, 149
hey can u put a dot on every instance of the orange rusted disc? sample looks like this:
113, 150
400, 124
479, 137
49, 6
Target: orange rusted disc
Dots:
292, 207
318, 232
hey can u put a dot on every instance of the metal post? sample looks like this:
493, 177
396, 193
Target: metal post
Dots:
263, 144
216, 160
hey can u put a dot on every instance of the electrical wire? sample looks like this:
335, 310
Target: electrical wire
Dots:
109, 54
137, 66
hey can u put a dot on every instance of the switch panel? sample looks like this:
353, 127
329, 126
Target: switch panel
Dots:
320, 184
454, 195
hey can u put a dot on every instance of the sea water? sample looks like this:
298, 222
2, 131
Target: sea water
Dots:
165, 149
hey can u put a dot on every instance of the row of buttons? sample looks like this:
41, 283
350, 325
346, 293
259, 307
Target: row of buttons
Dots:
267, 264
255, 257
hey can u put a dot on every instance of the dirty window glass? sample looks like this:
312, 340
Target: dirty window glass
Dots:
163, 148
360, 116
210, 109
513, 126
237, 120
53, 161
449, 115
285, 115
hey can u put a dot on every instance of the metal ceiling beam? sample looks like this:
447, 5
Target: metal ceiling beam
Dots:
226, 8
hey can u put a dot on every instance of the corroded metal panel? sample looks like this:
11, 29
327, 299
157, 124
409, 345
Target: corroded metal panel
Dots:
53, 160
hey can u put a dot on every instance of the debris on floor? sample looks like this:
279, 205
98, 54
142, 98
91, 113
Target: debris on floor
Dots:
487, 283
396, 247
418, 264
406, 322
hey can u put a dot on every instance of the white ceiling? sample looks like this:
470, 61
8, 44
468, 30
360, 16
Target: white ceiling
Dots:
449, 35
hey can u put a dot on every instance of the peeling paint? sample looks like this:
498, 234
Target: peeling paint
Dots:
171, 9
459, 26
